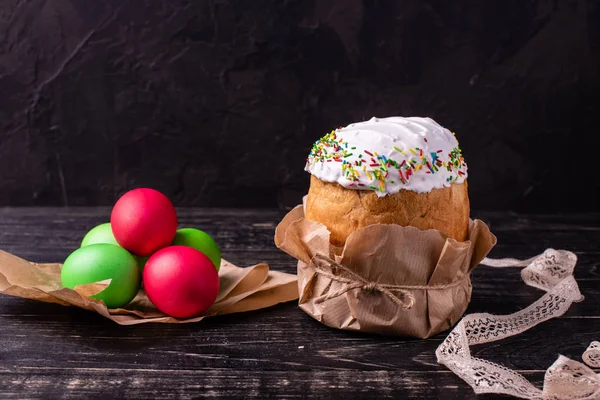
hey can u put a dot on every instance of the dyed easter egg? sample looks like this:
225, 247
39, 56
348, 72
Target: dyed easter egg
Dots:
200, 241
100, 234
99, 262
144, 221
181, 281
103, 234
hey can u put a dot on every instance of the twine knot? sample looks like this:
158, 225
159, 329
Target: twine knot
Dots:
335, 271
370, 287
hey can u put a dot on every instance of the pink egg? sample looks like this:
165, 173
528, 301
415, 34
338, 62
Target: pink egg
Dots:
181, 281
143, 221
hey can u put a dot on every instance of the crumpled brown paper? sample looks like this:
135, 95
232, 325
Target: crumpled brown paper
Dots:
241, 289
387, 279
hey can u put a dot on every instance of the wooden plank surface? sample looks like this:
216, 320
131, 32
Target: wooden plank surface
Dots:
49, 351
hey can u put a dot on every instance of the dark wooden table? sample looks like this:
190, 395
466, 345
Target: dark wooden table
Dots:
49, 351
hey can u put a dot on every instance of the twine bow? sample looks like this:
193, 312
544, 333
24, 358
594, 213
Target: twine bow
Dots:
335, 271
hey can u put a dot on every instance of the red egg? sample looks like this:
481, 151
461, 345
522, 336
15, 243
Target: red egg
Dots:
143, 221
181, 281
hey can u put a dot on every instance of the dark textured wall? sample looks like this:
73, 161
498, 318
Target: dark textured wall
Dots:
217, 102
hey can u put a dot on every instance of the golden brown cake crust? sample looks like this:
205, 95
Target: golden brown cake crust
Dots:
345, 210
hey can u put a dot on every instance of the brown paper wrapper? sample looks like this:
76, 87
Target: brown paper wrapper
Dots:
241, 289
387, 279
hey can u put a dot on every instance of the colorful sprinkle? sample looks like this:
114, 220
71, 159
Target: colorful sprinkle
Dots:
378, 169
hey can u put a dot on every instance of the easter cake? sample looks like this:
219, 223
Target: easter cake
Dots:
402, 171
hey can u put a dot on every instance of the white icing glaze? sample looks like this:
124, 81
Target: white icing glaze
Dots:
407, 153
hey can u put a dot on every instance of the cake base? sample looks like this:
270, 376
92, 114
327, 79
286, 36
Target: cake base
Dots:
343, 211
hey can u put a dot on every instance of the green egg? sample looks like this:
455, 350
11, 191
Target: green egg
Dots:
201, 241
100, 234
103, 234
141, 262
101, 261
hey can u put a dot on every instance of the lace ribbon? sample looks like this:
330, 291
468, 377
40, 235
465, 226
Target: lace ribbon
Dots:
552, 272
